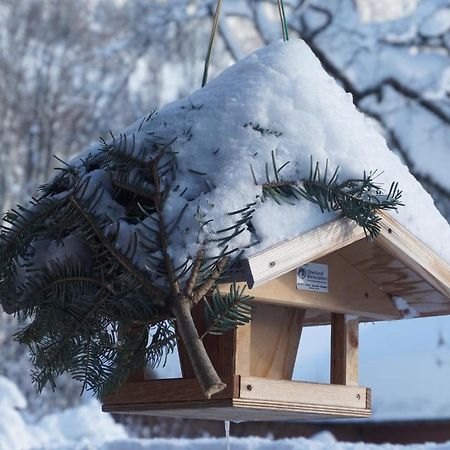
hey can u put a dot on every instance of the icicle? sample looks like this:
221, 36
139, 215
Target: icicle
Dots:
227, 433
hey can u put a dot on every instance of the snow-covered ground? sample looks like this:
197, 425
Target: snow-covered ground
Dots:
87, 428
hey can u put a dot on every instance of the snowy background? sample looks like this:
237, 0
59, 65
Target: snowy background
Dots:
85, 427
72, 70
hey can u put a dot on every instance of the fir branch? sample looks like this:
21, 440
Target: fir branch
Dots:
25, 223
180, 305
226, 312
122, 156
156, 292
159, 198
195, 269
211, 280
358, 199
45, 285
48, 357
133, 188
163, 342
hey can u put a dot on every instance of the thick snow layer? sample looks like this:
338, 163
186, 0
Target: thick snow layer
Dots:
85, 426
280, 100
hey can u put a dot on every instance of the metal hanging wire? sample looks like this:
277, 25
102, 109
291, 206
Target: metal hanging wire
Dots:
284, 27
212, 38
215, 25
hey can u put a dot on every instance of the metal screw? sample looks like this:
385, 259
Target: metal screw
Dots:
272, 264
249, 387
358, 396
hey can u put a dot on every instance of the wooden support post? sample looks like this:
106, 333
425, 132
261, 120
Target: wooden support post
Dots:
275, 336
242, 346
344, 349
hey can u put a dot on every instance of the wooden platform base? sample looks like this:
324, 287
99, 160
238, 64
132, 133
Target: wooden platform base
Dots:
244, 399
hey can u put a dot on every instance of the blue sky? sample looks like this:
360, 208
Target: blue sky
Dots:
398, 360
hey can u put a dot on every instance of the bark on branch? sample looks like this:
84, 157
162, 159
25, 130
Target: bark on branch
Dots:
204, 371
181, 301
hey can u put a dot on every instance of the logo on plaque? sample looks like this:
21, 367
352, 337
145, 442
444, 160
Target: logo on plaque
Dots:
313, 277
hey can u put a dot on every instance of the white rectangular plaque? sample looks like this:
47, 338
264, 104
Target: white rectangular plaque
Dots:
313, 277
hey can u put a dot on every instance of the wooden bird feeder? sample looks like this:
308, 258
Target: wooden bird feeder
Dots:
350, 280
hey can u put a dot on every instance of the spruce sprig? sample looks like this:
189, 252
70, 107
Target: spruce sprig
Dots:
106, 305
225, 312
358, 199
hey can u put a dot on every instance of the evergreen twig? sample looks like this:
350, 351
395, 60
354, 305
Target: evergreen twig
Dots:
358, 199
110, 303
225, 312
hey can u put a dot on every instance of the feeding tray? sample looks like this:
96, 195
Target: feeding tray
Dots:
244, 399
330, 275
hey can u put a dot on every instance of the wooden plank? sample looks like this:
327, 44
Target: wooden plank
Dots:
288, 255
298, 392
255, 399
168, 390
275, 335
338, 234
396, 278
242, 359
240, 411
389, 273
317, 411
344, 350
416, 255
350, 291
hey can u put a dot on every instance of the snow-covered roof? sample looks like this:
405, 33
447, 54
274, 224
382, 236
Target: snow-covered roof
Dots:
281, 100
278, 102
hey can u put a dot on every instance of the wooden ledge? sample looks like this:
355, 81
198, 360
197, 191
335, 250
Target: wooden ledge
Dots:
288, 255
245, 399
